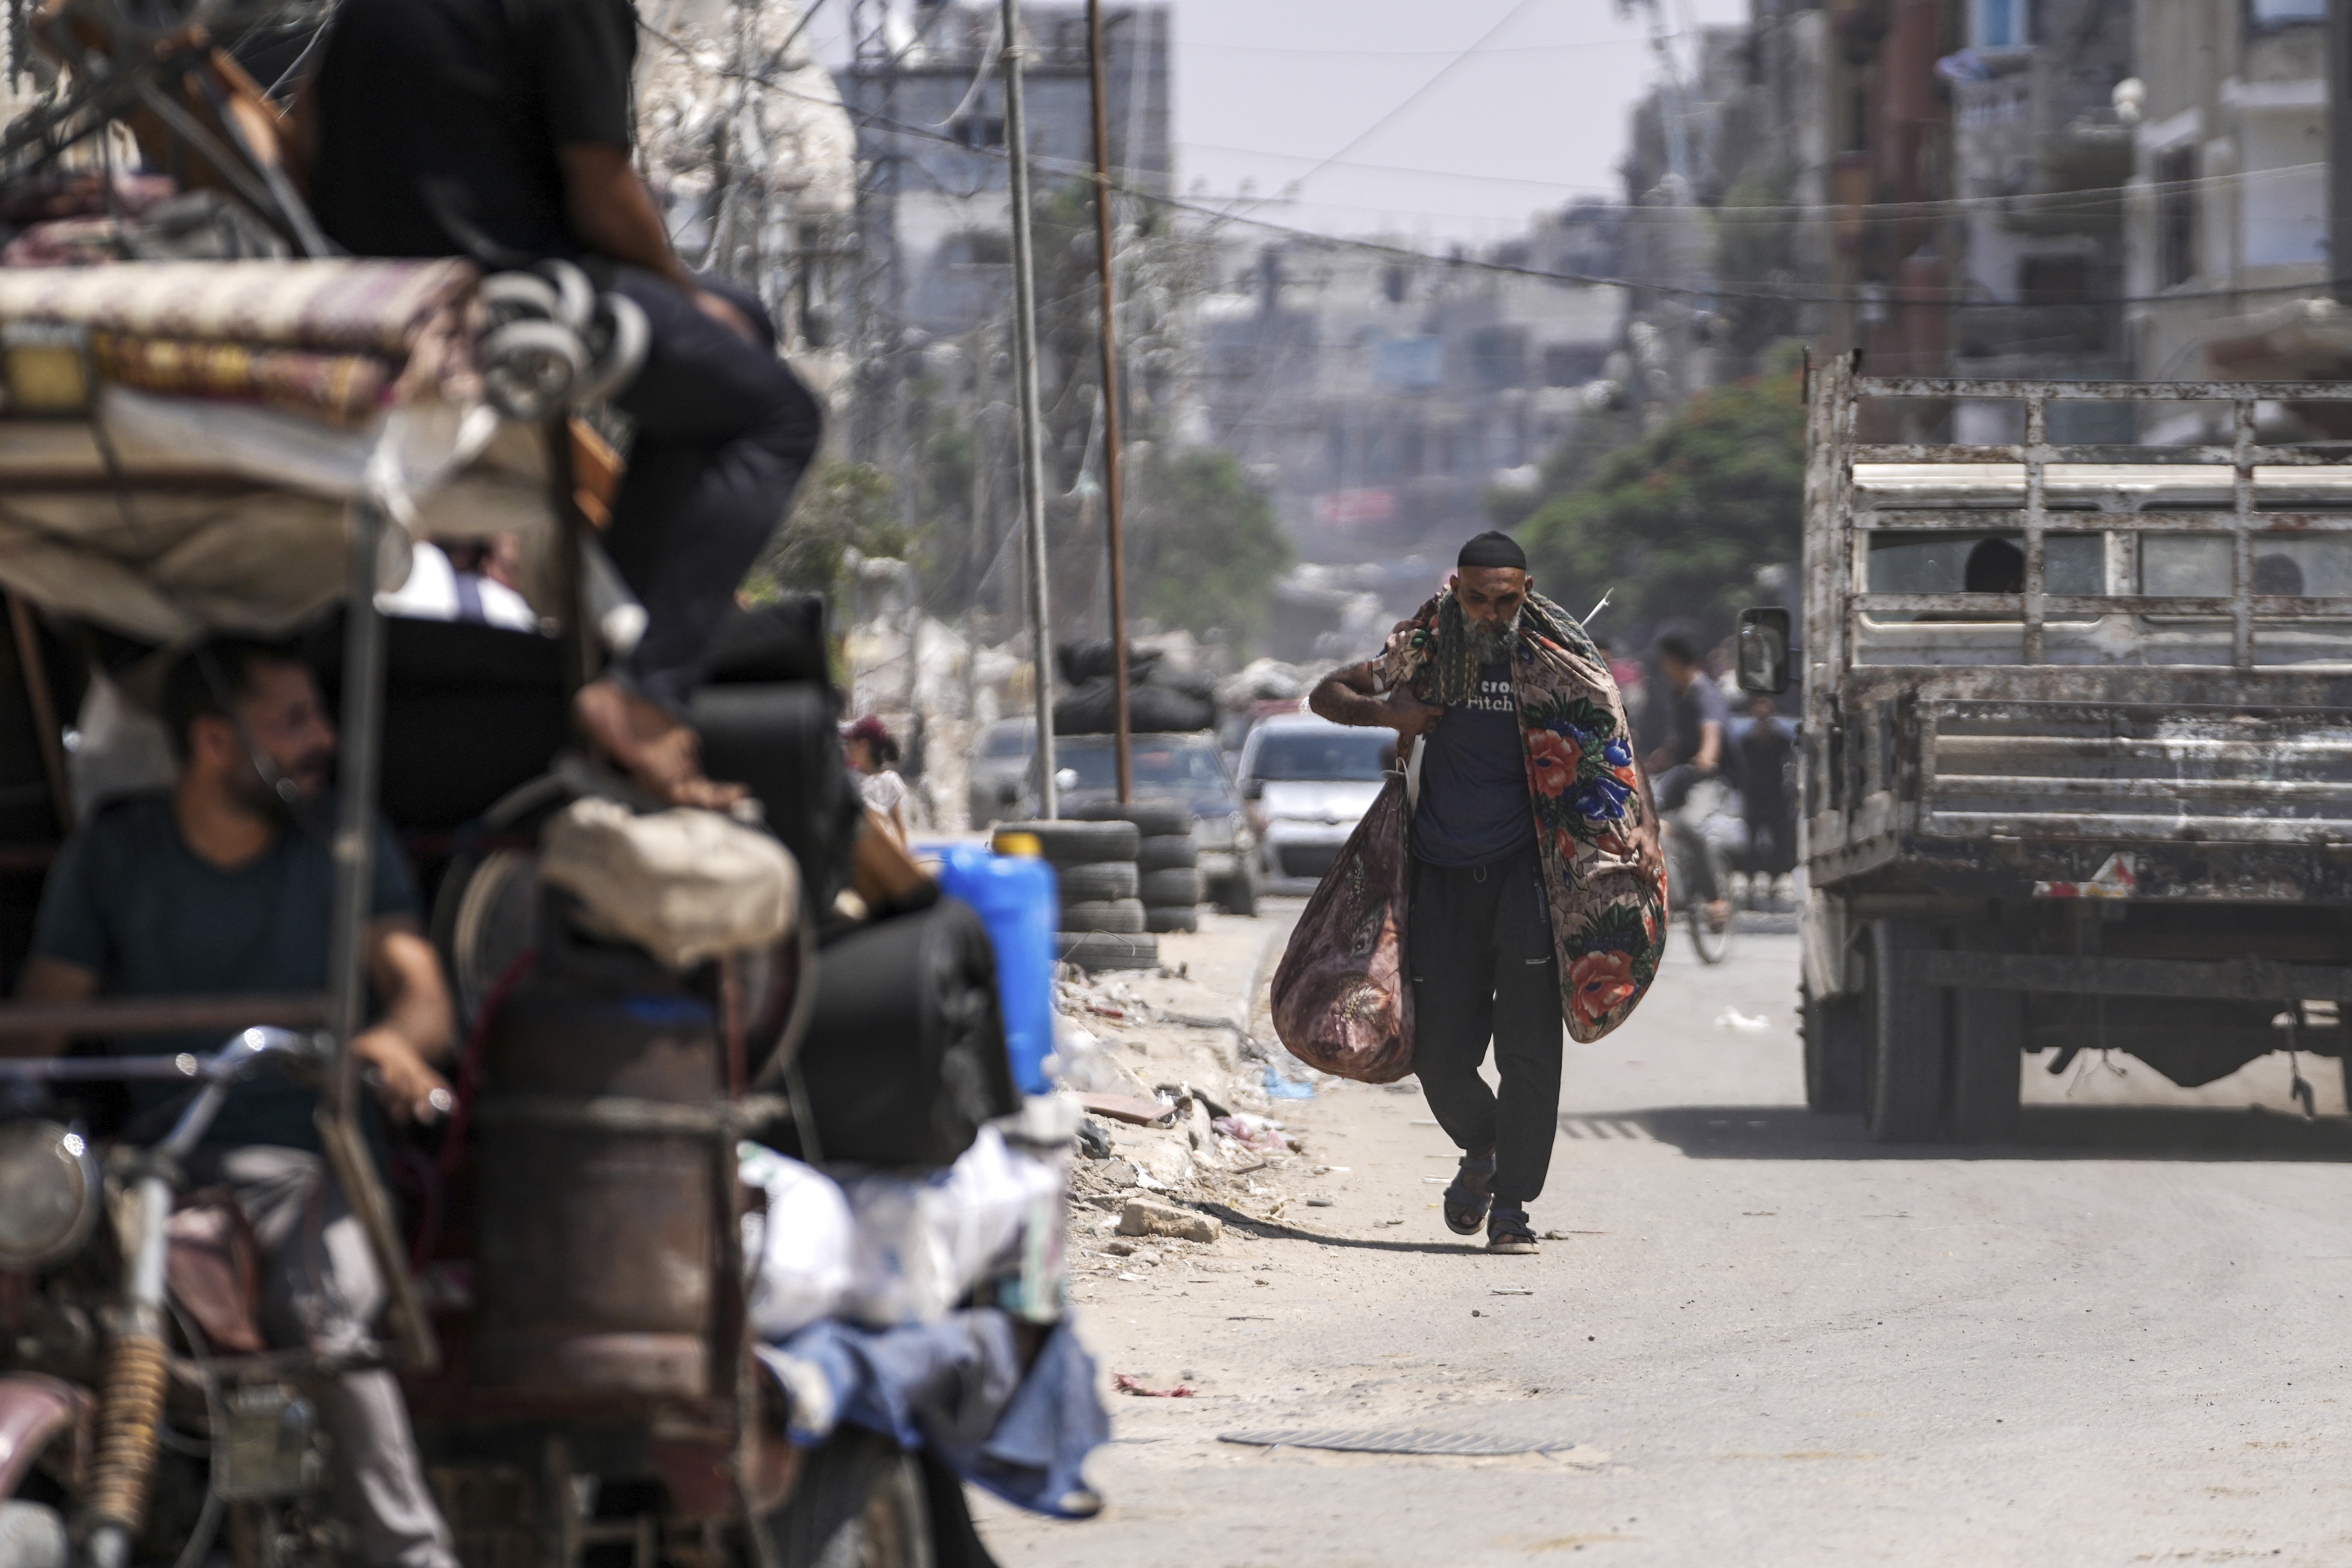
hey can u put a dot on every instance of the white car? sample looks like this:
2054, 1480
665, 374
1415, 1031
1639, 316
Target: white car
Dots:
1308, 782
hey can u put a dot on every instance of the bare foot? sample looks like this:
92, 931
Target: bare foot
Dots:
660, 756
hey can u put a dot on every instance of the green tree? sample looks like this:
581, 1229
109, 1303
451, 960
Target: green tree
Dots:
840, 507
1674, 526
1203, 548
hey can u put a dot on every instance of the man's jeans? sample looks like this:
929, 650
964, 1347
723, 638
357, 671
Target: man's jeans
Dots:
724, 431
321, 1289
1480, 954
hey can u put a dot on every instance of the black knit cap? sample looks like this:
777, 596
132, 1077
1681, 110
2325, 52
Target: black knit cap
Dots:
1493, 549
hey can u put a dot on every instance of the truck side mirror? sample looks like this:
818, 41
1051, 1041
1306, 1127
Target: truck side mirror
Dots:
1764, 651
1253, 789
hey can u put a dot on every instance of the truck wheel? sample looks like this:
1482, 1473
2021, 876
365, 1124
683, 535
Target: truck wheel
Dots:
1987, 1049
860, 1502
1905, 1103
1837, 1038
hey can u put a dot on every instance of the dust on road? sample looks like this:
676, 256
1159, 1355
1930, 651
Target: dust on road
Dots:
1763, 1341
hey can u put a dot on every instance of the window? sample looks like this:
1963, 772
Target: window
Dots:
1186, 772
2054, 279
1573, 364
2176, 217
1902, 562
978, 130
1358, 756
2203, 566
2265, 15
2004, 23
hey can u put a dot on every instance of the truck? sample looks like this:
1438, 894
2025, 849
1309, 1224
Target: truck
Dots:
2076, 762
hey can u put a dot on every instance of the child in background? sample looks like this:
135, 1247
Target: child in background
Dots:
872, 753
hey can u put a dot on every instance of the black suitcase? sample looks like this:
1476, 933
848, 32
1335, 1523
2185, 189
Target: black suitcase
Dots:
905, 1055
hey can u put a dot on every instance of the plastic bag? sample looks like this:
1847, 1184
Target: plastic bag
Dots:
798, 1253
1342, 999
922, 1241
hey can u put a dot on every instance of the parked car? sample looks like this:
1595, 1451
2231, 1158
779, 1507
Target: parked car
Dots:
1188, 768
999, 771
1307, 782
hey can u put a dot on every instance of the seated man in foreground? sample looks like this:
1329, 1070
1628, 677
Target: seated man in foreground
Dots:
222, 886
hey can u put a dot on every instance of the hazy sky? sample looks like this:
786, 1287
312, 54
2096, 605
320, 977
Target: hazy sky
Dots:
1268, 89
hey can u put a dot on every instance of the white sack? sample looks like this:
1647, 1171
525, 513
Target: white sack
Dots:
684, 885
923, 1241
798, 1253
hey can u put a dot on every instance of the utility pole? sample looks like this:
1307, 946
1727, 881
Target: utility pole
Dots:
1033, 445
1114, 503
2339, 149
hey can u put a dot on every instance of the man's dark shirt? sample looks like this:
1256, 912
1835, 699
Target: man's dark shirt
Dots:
1764, 753
130, 902
1688, 712
1474, 807
439, 121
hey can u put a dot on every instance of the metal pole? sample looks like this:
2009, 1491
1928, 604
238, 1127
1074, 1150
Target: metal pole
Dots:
347, 978
1032, 447
355, 786
1114, 504
2339, 149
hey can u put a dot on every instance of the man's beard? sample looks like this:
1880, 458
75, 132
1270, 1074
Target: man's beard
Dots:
1490, 640
309, 776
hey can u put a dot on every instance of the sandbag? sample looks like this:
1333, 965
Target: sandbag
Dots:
1151, 710
905, 1057
1089, 658
1343, 995
685, 885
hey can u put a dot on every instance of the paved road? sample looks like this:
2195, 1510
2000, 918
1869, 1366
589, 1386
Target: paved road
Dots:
2122, 1340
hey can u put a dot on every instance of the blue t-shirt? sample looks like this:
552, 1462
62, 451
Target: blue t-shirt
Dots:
129, 902
1474, 807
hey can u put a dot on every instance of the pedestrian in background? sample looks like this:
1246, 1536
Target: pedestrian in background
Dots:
1537, 889
872, 756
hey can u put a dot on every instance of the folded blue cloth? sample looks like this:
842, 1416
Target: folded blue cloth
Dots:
956, 1387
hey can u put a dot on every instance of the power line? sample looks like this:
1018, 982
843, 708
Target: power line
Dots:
1888, 295
1417, 94
1411, 54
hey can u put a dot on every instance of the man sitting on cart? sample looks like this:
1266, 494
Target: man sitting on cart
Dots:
223, 887
502, 130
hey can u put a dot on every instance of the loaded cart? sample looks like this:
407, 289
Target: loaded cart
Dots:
2077, 750
636, 1271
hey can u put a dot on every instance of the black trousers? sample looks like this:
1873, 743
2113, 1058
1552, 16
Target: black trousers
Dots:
724, 431
1479, 949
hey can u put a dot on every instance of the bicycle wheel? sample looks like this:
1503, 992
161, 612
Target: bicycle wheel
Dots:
1712, 946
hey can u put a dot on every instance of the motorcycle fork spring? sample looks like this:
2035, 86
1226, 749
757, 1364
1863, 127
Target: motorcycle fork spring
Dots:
130, 1412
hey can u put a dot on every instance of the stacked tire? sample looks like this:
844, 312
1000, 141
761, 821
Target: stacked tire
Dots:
1167, 861
1102, 917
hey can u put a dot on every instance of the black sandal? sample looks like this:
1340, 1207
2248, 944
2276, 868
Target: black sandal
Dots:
1469, 1193
1508, 1232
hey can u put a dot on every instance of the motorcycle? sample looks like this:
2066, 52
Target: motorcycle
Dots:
122, 1425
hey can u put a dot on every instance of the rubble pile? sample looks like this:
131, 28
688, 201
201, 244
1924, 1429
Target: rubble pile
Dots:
1183, 1115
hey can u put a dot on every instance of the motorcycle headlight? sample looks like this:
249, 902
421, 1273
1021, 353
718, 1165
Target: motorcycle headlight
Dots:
50, 1194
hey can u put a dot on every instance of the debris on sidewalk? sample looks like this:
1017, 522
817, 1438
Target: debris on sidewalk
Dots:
1458, 1445
1733, 1018
1127, 1383
1135, 1112
1282, 1087
1142, 1216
